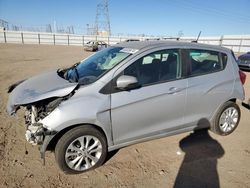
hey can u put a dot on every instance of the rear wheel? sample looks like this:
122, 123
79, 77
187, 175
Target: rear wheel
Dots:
227, 119
81, 149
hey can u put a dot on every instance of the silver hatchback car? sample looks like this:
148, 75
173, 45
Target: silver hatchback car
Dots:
126, 94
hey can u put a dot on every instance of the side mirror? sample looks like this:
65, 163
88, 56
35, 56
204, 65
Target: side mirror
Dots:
125, 82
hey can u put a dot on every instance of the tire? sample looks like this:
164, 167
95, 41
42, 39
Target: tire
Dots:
80, 157
226, 121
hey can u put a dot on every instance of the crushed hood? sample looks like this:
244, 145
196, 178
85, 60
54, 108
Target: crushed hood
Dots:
38, 88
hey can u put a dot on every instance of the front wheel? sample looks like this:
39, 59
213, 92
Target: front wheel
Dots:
81, 149
227, 119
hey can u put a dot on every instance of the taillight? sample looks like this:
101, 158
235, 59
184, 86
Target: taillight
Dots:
243, 77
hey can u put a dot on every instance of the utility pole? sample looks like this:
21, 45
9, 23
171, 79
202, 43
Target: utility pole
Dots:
102, 22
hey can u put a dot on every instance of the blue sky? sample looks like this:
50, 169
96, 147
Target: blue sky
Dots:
151, 17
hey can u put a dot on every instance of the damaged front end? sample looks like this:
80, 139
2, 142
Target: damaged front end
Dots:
39, 95
34, 113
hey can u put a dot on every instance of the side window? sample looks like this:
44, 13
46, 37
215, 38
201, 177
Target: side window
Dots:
204, 61
160, 66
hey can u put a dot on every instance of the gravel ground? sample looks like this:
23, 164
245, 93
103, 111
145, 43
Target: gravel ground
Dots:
192, 159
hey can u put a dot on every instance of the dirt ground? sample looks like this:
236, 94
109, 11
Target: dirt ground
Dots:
193, 160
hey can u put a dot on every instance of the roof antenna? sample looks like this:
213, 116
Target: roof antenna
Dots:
196, 41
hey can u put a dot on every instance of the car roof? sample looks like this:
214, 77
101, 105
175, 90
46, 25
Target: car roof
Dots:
139, 45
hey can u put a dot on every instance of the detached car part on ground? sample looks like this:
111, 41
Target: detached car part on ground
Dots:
94, 46
126, 94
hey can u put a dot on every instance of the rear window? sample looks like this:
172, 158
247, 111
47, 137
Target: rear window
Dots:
206, 61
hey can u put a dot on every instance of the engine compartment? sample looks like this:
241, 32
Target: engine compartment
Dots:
35, 131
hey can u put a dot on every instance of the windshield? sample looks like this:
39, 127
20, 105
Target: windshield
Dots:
90, 69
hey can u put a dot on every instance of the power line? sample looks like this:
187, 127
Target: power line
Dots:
216, 10
203, 10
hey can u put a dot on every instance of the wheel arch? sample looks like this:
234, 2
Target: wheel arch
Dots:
232, 100
214, 127
52, 143
219, 107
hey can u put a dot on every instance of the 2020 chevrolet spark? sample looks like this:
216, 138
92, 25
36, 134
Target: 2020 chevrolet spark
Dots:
126, 94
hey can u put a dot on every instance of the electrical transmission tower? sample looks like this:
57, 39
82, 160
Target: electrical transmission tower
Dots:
102, 22
4, 24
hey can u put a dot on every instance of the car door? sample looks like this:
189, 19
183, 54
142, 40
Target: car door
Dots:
155, 108
210, 84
